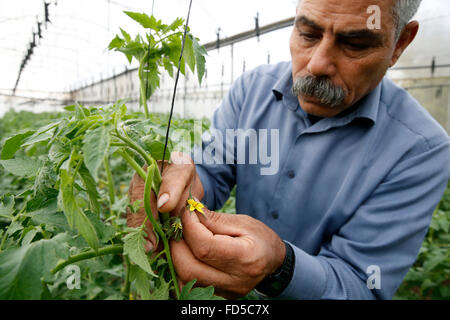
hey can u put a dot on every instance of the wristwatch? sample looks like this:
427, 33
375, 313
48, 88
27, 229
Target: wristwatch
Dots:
274, 284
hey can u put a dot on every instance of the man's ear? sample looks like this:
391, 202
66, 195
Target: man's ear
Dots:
407, 36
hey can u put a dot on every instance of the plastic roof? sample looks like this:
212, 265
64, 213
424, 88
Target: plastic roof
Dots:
72, 50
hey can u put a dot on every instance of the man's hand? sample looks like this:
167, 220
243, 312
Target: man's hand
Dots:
233, 253
177, 178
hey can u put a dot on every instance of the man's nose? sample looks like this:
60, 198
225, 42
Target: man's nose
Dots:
322, 61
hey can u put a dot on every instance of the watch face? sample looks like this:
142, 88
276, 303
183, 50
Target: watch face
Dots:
276, 285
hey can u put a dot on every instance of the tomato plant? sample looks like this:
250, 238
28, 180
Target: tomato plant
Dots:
68, 209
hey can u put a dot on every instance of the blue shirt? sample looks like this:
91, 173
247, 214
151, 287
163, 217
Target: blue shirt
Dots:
351, 192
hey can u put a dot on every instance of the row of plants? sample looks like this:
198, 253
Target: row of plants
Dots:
65, 191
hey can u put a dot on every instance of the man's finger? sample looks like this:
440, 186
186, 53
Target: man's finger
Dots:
188, 267
175, 178
223, 223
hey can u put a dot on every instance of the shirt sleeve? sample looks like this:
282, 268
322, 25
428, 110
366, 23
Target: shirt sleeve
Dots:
218, 177
370, 255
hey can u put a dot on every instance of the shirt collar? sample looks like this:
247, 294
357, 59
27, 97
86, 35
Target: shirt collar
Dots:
367, 108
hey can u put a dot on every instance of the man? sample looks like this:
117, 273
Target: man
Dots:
362, 167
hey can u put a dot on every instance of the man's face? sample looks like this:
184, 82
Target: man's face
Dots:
332, 43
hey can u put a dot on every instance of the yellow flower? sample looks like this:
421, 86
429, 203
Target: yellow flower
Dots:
194, 205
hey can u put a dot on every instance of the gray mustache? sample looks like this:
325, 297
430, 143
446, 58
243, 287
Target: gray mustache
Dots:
321, 88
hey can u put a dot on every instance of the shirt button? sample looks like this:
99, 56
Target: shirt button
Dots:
291, 174
275, 215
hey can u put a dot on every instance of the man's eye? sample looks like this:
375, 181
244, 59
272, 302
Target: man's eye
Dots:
356, 46
308, 36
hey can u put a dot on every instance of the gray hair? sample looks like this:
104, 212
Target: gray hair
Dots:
403, 12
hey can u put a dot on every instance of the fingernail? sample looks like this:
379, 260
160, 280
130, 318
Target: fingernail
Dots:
148, 246
163, 199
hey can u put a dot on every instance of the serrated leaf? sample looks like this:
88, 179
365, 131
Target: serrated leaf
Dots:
200, 53
134, 248
126, 35
45, 181
22, 167
75, 217
188, 53
187, 293
105, 232
151, 79
161, 292
174, 25
115, 43
91, 188
21, 269
86, 230
49, 216
144, 20
168, 66
141, 282
7, 203
95, 147
42, 134
134, 49
13, 144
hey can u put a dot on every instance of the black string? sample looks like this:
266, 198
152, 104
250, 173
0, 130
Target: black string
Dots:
175, 87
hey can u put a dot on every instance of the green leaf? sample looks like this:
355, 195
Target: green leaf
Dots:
156, 149
161, 292
22, 167
151, 79
21, 269
105, 232
95, 147
168, 66
200, 53
86, 230
91, 188
42, 134
75, 217
28, 235
49, 216
144, 20
187, 293
13, 144
189, 54
174, 25
126, 35
116, 43
7, 203
134, 248
133, 49
44, 184
141, 282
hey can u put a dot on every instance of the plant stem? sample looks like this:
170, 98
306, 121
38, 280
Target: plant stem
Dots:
133, 145
111, 190
143, 86
126, 288
124, 154
88, 255
156, 225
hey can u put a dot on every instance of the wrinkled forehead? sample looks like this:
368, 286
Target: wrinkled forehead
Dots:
348, 14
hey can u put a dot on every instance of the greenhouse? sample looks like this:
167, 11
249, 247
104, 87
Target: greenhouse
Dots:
224, 150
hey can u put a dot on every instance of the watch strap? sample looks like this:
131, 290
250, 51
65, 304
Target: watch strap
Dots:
274, 284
